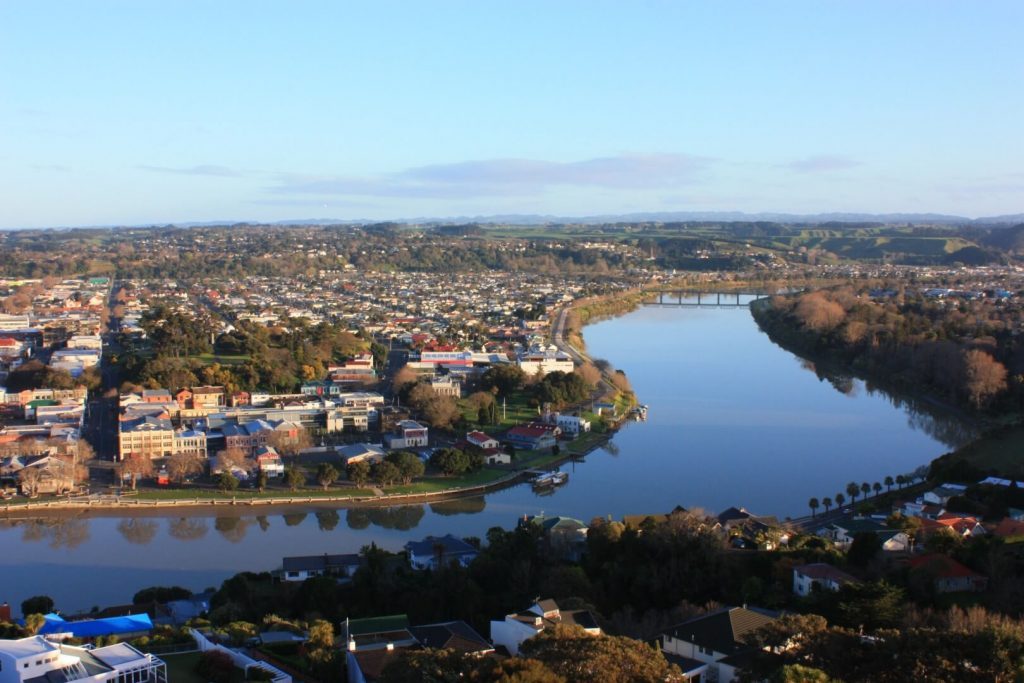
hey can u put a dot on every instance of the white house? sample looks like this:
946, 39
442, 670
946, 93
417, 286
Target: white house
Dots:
436, 551
517, 628
542, 360
305, 567
819, 576
269, 461
37, 659
482, 440
361, 452
407, 434
572, 424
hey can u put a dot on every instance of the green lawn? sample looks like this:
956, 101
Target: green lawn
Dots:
181, 668
211, 358
435, 484
243, 495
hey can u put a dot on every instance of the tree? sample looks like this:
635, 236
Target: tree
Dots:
295, 477
215, 666
852, 490
439, 411
326, 474
261, 481
814, 311
900, 481
30, 478
984, 377
580, 657
888, 483
287, 444
403, 379
451, 461
877, 488
227, 482
813, 504
37, 604
864, 548
827, 502
182, 465
589, 373
408, 464
865, 489
135, 466
840, 499
386, 473
358, 473
506, 378
231, 459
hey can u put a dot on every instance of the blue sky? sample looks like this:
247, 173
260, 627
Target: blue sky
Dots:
138, 112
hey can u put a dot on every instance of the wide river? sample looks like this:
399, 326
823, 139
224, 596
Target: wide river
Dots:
734, 420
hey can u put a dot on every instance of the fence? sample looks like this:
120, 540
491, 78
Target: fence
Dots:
242, 661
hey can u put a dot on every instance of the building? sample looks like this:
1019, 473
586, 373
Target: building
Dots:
207, 398
37, 660
539, 361
308, 566
573, 425
407, 434
533, 437
819, 576
717, 640
434, 552
482, 440
446, 386
948, 575
269, 461
517, 628
150, 436
843, 531
361, 452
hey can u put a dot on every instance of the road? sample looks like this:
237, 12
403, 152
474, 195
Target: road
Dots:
604, 387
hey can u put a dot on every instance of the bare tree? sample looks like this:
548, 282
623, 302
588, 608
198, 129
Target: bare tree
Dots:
984, 377
30, 477
136, 466
234, 458
182, 465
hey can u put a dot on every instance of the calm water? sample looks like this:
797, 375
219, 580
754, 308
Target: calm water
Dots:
734, 420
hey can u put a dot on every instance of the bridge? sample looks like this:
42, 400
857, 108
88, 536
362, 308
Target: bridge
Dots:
706, 299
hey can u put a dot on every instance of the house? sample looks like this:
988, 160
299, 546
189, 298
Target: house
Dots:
452, 635
843, 531
562, 537
361, 452
407, 434
446, 386
819, 576
517, 628
269, 461
948, 575
374, 643
717, 639
533, 436
435, 552
941, 494
308, 566
207, 397
36, 660
572, 425
481, 440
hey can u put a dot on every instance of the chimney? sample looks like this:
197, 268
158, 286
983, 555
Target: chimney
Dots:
5, 612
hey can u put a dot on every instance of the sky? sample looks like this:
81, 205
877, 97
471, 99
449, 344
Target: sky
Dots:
140, 112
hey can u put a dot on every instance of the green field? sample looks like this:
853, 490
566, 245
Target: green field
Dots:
1000, 453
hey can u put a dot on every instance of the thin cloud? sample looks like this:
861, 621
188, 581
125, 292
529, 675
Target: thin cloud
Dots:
508, 177
823, 163
201, 170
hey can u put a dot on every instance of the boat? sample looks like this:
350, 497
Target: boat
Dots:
550, 479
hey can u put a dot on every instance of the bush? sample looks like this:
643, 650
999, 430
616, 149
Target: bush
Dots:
215, 666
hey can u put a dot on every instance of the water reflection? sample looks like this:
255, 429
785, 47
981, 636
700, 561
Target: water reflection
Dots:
263, 522
295, 518
327, 520
401, 517
459, 506
232, 529
60, 533
137, 531
187, 528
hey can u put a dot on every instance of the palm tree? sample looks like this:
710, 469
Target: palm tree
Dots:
888, 484
827, 502
852, 490
900, 481
813, 504
840, 499
865, 488
876, 487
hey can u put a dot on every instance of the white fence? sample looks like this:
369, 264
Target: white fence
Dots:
242, 661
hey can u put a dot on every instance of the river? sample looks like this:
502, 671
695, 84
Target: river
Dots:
734, 420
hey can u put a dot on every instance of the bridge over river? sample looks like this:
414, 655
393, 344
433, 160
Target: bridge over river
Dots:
706, 299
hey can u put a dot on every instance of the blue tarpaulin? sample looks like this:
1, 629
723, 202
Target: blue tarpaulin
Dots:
91, 628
